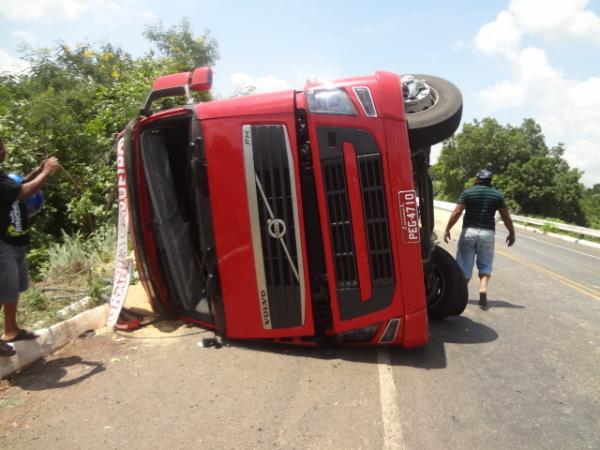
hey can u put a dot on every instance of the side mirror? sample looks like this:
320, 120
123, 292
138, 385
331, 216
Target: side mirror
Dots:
178, 85
201, 79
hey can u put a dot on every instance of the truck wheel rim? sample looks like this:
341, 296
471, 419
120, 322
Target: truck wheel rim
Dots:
435, 295
418, 95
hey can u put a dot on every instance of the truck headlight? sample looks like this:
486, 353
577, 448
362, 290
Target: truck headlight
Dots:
330, 101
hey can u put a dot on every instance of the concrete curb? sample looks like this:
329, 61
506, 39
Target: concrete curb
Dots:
53, 338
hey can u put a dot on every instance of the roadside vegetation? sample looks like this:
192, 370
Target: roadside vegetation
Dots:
535, 178
70, 104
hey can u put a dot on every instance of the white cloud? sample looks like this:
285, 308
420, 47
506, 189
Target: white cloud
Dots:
556, 19
268, 83
43, 10
533, 80
52, 11
505, 94
532, 66
567, 109
11, 64
583, 154
501, 36
572, 114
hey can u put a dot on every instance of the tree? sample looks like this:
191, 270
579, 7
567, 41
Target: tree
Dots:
544, 186
485, 144
591, 206
536, 179
182, 51
70, 104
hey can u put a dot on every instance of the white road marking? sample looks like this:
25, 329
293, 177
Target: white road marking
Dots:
392, 429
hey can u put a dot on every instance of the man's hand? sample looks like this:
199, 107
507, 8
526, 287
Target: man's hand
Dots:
447, 236
454, 216
510, 239
30, 187
50, 165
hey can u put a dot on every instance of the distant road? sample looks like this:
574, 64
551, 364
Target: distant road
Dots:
579, 264
573, 264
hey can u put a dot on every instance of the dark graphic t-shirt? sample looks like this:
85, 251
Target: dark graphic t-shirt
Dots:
14, 228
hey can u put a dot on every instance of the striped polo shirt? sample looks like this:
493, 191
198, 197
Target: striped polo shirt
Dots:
481, 203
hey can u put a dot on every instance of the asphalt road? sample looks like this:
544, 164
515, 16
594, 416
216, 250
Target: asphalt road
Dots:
522, 375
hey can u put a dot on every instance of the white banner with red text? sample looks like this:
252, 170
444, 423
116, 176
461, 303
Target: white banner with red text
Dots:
123, 263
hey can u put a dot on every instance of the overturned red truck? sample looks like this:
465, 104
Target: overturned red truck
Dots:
302, 217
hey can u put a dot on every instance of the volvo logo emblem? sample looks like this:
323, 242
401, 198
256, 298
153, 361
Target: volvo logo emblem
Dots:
276, 228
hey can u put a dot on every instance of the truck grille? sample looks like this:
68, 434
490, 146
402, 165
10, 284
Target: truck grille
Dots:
274, 222
375, 216
376, 221
339, 221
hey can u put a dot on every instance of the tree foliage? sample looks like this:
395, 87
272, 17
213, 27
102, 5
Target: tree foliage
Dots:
535, 178
591, 206
180, 50
70, 105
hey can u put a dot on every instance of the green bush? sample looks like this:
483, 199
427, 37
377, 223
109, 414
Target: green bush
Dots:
549, 228
78, 256
35, 300
68, 259
97, 288
103, 243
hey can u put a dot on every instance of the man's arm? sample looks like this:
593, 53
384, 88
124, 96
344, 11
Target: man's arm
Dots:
31, 187
508, 223
34, 173
454, 216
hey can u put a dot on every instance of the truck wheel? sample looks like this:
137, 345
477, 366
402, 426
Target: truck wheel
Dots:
433, 108
447, 293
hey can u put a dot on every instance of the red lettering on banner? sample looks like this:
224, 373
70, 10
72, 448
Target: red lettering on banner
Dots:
123, 264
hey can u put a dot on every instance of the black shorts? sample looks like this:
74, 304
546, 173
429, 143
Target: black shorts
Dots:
13, 272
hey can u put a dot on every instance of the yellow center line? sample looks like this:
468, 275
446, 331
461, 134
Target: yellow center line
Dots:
560, 278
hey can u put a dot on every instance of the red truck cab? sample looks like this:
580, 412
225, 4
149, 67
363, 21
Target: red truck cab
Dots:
290, 216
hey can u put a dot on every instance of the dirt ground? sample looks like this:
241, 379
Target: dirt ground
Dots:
39, 390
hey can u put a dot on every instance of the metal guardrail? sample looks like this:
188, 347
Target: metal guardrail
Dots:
448, 206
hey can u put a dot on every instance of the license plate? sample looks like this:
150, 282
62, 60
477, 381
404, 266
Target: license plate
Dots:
409, 216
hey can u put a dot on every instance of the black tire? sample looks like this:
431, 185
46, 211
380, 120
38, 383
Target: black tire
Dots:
438, 122
447, 292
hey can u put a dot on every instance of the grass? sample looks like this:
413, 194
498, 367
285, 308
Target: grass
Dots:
78, 267
549, 228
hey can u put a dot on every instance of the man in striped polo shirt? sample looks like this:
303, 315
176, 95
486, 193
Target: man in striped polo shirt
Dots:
476, 242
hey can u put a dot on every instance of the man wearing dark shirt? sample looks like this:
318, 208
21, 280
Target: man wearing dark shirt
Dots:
477, 238
14, 239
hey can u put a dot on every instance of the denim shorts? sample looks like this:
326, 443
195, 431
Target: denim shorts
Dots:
13, 272
476, 244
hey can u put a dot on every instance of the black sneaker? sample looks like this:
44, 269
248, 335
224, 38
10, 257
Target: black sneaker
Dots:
6, 349
483, 304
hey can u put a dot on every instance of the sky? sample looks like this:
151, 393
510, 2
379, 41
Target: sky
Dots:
512, 59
